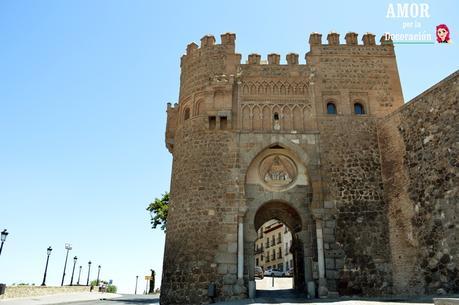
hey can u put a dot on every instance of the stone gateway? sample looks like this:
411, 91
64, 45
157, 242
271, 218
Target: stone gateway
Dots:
367, 185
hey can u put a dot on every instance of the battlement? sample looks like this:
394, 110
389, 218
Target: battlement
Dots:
351, 39
208, 41
227, 45
315, 42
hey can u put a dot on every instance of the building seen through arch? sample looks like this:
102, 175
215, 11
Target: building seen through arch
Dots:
272, 247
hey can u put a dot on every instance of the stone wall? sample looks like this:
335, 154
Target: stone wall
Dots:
355, 241
419, 147
29, 291
201, 239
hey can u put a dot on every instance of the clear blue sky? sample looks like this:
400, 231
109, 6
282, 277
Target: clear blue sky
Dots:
83, 92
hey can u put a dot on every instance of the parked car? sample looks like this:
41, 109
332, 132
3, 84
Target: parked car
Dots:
259, 272
273, 272
289, 272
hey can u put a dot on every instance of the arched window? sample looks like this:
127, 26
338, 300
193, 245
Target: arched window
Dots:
187, 114
331, 108
276, 116
358, 108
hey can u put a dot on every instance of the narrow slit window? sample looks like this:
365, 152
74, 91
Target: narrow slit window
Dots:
187, 114
223, 122
212, 122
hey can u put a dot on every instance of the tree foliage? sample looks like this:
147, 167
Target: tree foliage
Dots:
159, 209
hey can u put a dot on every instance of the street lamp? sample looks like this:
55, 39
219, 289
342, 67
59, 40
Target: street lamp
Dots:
136, 280
3, 238
79, 274
68, 247
48, 251
98, 273
73, 271
89, 271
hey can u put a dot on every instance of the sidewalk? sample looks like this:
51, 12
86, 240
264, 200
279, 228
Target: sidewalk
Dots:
59, 298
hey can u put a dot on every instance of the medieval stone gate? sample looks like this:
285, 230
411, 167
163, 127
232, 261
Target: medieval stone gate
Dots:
326, 148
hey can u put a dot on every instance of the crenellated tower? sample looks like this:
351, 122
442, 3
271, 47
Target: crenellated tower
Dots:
268, 138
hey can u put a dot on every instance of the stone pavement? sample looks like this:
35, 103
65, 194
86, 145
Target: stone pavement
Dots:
59, 298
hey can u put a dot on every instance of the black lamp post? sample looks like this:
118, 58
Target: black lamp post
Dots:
79, 274
3, 238
68, 247
73, 271
98, 273
89, 271
48, 251
136, 280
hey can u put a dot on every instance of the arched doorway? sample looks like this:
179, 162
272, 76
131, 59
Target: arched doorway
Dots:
277, 187
275, 217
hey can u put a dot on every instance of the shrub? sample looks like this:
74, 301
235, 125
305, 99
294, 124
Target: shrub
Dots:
111, 288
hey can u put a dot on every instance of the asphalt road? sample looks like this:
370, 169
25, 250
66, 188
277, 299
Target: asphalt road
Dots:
124, 300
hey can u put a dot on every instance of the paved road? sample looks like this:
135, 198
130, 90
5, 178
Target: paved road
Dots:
124, 300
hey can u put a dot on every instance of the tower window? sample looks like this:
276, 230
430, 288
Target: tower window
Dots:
358, 108
212, 122
223, 122
187, 114
331, 108
276, 116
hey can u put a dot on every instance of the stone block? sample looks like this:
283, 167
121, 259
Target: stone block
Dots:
339, 263
232, 268
329, 205
330, 263
222, 269
225, 258
331, 274
229, 279
232, 248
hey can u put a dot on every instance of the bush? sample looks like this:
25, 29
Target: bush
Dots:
111, 288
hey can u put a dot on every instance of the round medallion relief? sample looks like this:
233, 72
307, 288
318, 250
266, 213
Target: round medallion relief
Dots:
277, 171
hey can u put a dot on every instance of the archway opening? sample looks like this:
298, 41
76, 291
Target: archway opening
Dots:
278, 249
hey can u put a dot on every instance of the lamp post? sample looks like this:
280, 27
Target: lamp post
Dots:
89, 271
98, 273
79, 274
73, 271
136, 280
3, 238
68, 247
48, 251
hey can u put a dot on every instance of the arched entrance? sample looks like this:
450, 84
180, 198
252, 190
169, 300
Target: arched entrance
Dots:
277, 187
285, 214
303, 247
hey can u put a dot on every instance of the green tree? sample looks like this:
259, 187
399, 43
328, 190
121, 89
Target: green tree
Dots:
159, 209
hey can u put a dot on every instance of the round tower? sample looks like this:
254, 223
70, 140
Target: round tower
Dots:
201, 240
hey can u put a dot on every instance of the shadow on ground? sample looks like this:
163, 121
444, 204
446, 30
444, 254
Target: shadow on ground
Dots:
134, 300
290, 296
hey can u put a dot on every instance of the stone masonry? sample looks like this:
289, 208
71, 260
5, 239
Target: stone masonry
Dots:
367, 185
